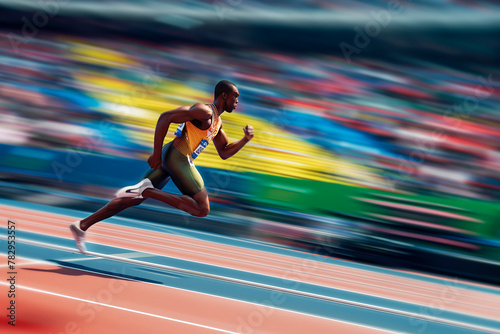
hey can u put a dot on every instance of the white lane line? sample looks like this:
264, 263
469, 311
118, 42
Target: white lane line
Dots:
122, 308
213, 296
256, 304
299, 272
400, 285
372, 307
324, 272
30, 261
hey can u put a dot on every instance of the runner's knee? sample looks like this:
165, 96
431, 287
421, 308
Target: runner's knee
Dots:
200, 212
203, 208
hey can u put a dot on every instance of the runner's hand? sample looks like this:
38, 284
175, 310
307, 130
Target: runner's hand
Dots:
248, 132
154, 161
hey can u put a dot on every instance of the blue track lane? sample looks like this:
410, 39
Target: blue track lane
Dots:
54, 252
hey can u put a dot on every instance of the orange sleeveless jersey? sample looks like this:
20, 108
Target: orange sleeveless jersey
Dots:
192, 136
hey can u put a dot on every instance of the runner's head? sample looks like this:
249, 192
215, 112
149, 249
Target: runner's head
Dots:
228, 93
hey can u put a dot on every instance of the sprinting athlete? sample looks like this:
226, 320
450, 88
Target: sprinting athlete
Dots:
198, 125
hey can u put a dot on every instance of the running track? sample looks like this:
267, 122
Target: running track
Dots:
152, 278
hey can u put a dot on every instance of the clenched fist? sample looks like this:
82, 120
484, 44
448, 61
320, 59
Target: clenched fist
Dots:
154, 161
248, 130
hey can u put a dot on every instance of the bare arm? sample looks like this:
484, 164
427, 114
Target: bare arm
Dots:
226, 149
180, 115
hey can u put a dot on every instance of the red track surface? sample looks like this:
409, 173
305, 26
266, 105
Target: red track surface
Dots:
53, 299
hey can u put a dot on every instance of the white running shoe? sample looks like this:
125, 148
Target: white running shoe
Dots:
134, 191
79, 236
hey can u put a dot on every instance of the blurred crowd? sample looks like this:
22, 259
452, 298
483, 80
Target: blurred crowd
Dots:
418, 126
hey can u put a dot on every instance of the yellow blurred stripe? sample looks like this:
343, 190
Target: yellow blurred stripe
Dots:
100, 56
272, 150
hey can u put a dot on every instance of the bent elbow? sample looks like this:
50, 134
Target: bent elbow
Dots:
225, 156
165, 116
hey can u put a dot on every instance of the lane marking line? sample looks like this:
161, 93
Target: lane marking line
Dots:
31, 261
321, 275
122, 308
414, 315
465, 284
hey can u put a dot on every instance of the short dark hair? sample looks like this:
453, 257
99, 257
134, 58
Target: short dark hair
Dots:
223, 86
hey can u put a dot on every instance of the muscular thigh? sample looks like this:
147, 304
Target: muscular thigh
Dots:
185, 175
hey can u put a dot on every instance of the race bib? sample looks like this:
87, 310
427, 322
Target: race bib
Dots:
178, 132
200, 148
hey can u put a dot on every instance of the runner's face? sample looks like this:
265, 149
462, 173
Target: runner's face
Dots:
232, 100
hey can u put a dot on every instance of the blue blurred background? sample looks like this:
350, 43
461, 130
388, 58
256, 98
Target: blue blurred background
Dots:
377, 123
